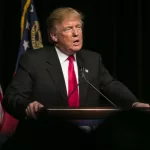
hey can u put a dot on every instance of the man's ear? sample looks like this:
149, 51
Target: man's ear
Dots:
53, 37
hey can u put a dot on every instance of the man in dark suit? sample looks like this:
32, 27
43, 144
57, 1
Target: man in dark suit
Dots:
46, 77
42, 77
57, 76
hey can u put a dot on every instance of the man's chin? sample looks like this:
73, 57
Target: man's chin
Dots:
73, 51
76, 48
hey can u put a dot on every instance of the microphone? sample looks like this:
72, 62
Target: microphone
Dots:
80, 68
73, 90
83, 75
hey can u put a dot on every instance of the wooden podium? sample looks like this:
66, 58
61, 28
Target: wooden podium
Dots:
81, 116
85, 116
81, 113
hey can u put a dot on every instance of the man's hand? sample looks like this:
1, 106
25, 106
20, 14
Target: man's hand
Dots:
33, 108
141, 105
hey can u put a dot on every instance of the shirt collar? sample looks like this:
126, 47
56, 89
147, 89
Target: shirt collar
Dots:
62, 57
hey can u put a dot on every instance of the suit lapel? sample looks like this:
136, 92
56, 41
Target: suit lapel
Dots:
83, 85
55, 71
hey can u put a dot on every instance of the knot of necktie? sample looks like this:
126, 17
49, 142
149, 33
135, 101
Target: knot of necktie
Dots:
71, 58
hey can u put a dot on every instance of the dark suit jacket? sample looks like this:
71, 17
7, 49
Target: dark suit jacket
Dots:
40, 78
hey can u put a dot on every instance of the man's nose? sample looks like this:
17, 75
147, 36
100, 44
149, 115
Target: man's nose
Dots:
75, 32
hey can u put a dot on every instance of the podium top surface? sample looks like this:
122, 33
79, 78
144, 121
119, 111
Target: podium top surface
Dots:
81, 113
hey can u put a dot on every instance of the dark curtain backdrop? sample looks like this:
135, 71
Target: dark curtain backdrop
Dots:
118, 30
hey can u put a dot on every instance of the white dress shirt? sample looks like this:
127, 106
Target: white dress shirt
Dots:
63, 58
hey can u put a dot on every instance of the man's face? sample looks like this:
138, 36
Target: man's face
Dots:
68, 35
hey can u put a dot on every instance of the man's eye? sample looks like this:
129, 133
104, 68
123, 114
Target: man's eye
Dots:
79, 27
66, 29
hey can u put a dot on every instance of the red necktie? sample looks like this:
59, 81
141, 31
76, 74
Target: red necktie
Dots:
73, 99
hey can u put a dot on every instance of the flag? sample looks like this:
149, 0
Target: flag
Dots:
30, 29
8, 123
30, 39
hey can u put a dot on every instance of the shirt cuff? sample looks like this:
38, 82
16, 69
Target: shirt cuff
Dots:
134, 104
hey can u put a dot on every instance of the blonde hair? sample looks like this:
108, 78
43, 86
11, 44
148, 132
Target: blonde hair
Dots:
59, 14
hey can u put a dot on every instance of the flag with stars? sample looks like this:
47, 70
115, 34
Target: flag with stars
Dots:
30, 29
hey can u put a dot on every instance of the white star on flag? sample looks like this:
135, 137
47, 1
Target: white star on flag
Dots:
27, 25
32, 10
26, 44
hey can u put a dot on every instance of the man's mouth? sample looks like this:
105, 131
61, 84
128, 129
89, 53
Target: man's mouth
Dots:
76, 42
